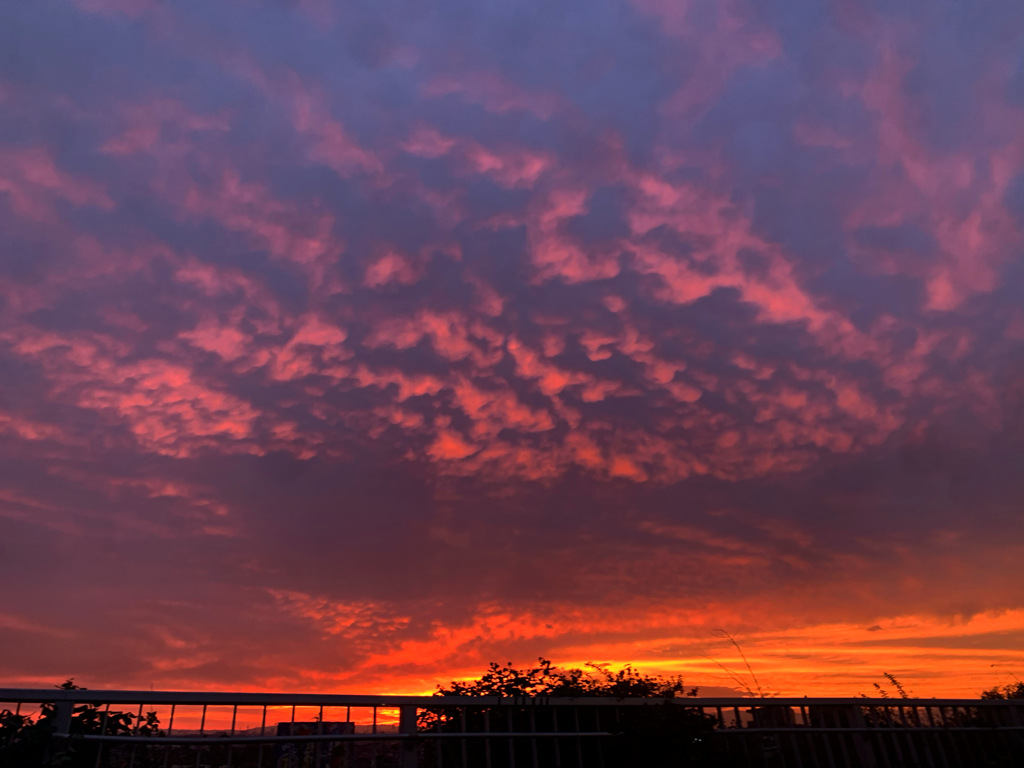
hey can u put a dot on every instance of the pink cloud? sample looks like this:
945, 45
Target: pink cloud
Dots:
168, 411
510, 166
426, 141
225, 341
390, 268
452, 336
449, 445
555, 255
33, 182
160, 402
494, 92
515, 168
493, 410
144, 129
733, 39
315, 346
30, 429
917, 184
287, 231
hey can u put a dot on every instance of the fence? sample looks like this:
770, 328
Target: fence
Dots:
136, 729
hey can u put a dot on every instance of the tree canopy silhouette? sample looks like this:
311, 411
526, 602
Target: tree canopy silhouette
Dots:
545, 679
663, 733
28, 741
1009, 691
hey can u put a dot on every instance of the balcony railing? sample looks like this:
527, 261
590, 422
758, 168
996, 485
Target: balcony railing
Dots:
145, 729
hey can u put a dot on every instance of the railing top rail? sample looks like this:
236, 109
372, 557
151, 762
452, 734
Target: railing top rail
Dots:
98, 696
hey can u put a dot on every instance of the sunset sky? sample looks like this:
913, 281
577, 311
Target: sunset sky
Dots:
349, 346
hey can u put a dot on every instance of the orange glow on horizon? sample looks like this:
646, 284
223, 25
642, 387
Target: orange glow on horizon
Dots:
930, 657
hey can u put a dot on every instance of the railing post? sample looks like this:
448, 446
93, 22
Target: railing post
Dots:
407, 727
62, 718
862, 739
58, 741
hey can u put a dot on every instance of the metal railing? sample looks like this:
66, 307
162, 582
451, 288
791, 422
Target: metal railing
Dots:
145, 729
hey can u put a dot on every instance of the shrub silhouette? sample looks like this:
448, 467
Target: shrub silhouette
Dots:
27, 741
663, 733
1009, 691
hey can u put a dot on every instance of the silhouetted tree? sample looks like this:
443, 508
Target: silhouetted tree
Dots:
1009, 691
27, 741
548, 680
663, 733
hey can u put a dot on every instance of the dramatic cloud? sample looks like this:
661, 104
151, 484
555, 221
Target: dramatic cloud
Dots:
354, 345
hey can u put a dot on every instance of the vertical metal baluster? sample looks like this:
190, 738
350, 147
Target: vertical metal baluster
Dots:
1014, 720
923, 738
263, 732
942, 740
795, 744
558, 739
348, 744
291, 726
823, 720
167, 748
511, 740
465, 755
487, 738
103, 732
975, 747
951, 737
618, 718
231, 746
935, 737
809, 737
895, 736
135, 732
827, 738
878, 740
533, 739
906, 736
318, 746
579, 744
202, 728
437, 742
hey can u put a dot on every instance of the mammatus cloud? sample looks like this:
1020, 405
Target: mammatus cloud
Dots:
420, 337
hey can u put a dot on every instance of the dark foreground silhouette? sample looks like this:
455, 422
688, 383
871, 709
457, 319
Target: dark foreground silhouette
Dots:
537, 717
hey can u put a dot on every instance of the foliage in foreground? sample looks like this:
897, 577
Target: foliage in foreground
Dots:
27, 740
664, 733
548, 680
1009, 691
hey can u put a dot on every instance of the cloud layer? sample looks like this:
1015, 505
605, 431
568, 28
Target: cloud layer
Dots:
358, 344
